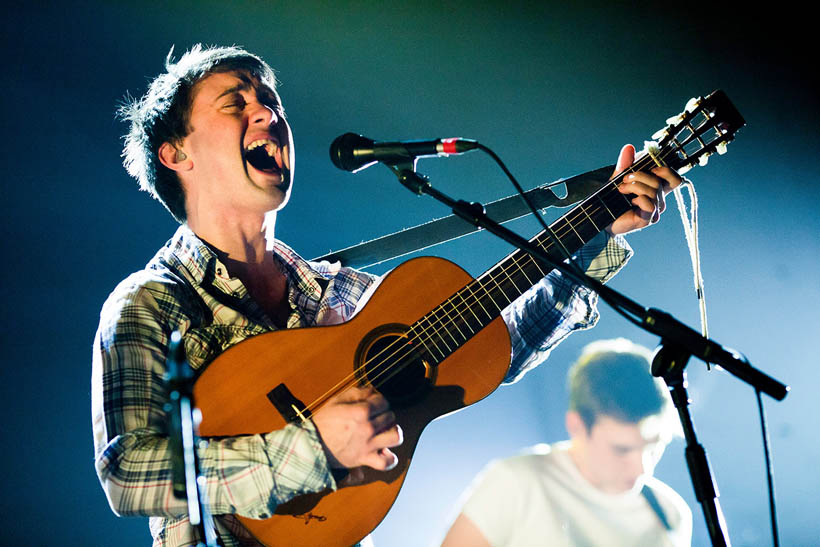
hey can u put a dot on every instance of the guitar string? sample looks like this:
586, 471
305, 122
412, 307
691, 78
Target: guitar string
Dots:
440, 323
708, 123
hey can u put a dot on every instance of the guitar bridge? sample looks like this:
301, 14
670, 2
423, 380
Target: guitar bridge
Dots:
291, 408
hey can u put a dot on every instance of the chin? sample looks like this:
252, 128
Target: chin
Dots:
276, 194
284, 189
283, 202
278, 202
633, 486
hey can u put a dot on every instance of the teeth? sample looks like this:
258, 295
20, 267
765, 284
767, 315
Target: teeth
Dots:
270, 147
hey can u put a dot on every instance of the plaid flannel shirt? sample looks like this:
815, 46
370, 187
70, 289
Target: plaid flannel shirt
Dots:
185, 287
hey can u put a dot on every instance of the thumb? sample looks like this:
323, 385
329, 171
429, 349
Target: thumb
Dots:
625, 158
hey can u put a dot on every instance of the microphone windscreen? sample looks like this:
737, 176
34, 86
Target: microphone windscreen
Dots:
343, 151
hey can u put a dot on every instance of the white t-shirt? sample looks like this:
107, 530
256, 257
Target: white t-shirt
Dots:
540, 498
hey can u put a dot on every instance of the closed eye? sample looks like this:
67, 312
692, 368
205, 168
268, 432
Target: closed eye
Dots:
238, 102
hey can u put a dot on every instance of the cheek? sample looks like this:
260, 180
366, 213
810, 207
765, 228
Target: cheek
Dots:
603, 460
219, 143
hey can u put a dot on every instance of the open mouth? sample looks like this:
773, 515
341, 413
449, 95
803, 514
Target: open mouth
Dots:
265, 155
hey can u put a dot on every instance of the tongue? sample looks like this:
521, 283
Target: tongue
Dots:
259, 158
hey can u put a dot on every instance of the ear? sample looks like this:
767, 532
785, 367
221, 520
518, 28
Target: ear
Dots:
575, 425
174, 158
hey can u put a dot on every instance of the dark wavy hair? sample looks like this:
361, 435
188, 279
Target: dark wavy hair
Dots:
613, 378
163, 115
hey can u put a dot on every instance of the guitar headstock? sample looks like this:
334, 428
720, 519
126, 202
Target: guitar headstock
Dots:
706, 126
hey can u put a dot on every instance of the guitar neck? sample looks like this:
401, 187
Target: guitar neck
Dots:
706, 126
457, 320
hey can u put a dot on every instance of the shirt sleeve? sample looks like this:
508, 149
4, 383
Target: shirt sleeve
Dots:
246, 475
556, 306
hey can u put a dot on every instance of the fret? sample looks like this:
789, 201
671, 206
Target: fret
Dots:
565, 233
529, 268
448, 320
425, 346
437, 332
515, 291
509, 290
609, 212
536, 264
591, 220
460, 321
442, 324
471, 288
427, 333
467, 306
530, 282
496, 290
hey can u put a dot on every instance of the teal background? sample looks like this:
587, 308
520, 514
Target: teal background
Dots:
554, 88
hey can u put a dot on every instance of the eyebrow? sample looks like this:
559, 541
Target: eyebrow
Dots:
242, 86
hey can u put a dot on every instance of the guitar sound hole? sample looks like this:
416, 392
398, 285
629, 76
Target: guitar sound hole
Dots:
395, 367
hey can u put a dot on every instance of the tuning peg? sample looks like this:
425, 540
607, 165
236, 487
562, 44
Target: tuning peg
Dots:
721, 148
660, 134
703, 160
692, 104
674, 120
684, 169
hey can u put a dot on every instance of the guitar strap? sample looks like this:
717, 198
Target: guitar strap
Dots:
647, 493
452, 227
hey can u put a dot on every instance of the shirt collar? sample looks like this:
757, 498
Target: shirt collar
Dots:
189, 253
300, 272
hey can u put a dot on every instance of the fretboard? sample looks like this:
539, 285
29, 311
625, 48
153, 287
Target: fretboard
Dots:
460, 317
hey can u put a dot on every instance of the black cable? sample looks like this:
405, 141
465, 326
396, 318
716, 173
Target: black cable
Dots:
769, 468
532, 208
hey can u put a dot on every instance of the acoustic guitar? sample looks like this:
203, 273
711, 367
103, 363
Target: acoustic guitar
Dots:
430, 339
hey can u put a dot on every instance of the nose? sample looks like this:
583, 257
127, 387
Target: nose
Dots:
262, 114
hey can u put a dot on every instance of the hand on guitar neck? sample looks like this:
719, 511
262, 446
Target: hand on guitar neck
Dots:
649, 188
358, 429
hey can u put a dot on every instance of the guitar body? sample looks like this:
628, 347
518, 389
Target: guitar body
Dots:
233, 394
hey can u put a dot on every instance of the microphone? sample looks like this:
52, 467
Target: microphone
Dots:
352, 152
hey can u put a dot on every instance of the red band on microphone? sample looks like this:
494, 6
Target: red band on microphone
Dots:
448, 146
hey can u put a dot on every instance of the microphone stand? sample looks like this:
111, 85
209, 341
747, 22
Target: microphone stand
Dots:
185, 417
678, 343
669, 363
